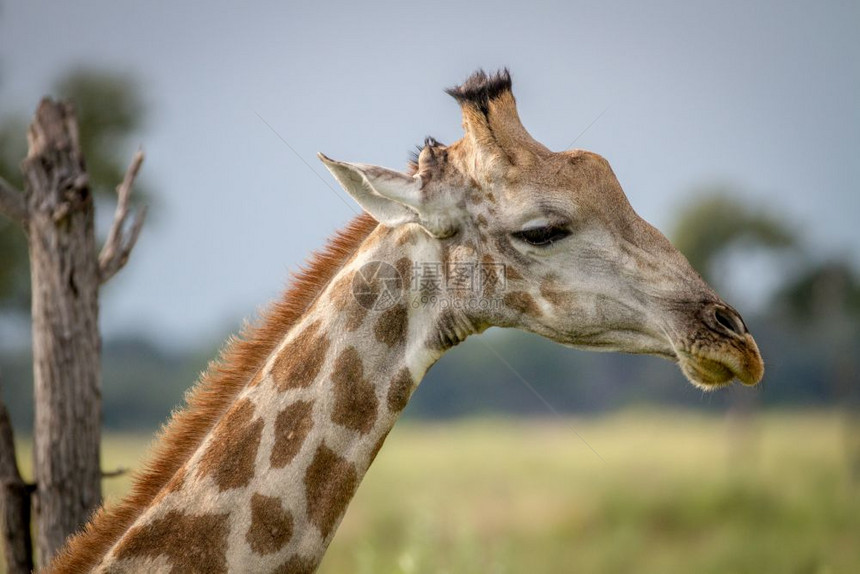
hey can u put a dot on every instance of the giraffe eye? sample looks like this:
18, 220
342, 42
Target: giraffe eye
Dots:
542, 236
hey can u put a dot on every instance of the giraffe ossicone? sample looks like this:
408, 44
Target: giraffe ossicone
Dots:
492, 230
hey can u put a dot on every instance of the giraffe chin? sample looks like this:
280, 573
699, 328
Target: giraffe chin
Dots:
713, 370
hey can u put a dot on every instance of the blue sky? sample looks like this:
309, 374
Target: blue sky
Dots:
761, 95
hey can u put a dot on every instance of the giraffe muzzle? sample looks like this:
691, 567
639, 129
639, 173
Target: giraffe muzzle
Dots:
720, 350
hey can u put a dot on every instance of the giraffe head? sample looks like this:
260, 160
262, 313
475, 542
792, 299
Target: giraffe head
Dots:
581, 267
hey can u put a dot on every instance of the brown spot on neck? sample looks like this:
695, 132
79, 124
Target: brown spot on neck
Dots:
175, 485
257, 378
292, 426
551, 291
190, 543
330, 482
355, 317
406, 237
178, 481
355, 403
271, 525
229, 458
399, 390
512, 273
522, 302
404, 268
391, 326
345, 303
299, 362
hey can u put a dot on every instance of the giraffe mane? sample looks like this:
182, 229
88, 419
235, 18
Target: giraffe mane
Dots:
238, 361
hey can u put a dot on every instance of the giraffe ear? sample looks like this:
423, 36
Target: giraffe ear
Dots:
391, 197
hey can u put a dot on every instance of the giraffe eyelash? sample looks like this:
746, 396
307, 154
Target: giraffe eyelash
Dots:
542, 236
415, 153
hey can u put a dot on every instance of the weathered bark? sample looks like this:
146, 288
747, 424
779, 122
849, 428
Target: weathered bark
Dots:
56, 211
14, 503
66, 342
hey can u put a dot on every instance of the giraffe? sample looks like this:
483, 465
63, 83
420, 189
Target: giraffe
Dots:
255, 474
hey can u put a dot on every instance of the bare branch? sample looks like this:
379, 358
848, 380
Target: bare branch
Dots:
119, 243
114, 473
12, 203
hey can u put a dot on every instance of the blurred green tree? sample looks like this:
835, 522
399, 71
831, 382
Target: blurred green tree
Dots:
109, 110
823, 291
717, 221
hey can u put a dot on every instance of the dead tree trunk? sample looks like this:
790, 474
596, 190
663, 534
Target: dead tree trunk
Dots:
66, 344
14, 503
57, 212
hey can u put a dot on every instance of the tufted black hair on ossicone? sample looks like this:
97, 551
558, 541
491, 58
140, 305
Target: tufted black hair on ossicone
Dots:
480, 88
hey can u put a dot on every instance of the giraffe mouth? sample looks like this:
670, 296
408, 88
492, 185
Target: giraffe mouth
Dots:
718, 366
712, 346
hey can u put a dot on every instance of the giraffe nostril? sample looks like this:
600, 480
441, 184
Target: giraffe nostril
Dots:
729, 320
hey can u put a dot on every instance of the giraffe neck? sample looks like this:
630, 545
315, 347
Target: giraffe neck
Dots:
268, 487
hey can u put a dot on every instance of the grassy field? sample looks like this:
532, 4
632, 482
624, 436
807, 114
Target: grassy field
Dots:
674, 492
